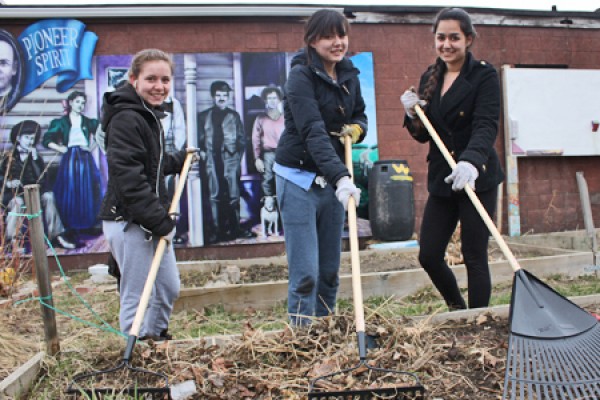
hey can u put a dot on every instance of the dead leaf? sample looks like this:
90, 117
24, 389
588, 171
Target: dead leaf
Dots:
323, 368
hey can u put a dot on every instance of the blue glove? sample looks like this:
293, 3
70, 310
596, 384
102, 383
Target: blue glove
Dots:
464, 173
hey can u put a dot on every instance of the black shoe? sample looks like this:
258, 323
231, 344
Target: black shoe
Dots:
244, 234
164, 335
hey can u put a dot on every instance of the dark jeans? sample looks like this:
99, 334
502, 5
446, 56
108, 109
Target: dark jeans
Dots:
440, 218
312, 224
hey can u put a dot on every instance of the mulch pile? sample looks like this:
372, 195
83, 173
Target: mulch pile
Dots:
454, 360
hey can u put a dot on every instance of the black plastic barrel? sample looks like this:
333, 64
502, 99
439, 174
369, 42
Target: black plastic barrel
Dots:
391, 200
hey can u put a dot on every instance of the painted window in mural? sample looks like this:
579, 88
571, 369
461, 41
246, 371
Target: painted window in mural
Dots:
229, 105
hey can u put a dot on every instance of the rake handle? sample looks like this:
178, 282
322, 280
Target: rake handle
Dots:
470, 192
158, 254
357, 295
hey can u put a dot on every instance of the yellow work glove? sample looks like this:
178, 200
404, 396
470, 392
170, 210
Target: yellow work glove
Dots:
352, 130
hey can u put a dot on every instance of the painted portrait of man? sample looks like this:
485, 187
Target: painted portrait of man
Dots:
11, 79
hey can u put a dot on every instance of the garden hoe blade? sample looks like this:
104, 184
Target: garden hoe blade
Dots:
81, 383
403, 385
554, 346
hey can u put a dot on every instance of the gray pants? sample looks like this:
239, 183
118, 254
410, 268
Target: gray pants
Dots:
134, 255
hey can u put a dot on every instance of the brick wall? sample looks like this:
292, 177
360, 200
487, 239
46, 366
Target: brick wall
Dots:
549, 197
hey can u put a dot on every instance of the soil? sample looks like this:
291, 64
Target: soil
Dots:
370, 261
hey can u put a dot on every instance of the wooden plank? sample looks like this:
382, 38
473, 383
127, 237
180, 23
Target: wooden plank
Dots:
263, 296
18, 383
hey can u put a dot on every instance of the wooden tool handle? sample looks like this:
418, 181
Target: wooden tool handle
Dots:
357, 295
470, 192
158, 254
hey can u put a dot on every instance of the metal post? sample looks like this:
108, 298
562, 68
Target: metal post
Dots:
38, 250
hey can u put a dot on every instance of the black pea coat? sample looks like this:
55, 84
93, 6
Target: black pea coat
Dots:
466, 119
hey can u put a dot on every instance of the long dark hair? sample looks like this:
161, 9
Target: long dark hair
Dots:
324, 22
467, 28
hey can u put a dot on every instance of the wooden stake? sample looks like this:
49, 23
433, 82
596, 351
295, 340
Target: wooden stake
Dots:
38, 250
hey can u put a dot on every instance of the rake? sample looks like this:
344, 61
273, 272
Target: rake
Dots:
554, 345
411, 387
81, 383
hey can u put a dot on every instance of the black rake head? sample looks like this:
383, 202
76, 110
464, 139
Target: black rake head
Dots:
554, 345
84, 385
410, 388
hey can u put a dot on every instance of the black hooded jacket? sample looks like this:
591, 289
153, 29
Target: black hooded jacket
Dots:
314, 106
137, 162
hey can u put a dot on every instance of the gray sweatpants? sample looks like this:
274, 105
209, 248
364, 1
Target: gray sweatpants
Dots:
134, 255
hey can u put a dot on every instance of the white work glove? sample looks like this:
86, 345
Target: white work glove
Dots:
409, 100
464, 173
169, 236
15, 183
260, 165
345, 189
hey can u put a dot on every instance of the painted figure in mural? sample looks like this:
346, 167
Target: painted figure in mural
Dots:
77, 189
266, 132
322, 101
175, 140
461, 97
135, 207
24, 166
222, 142
9, 71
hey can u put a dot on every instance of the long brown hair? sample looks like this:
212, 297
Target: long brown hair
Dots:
437, 70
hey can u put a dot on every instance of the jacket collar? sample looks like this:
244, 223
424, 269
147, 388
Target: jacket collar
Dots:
459, 89
345, 68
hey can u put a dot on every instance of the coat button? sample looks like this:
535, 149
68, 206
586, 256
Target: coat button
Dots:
462, 113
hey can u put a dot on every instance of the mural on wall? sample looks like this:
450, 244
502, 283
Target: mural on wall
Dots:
229, 105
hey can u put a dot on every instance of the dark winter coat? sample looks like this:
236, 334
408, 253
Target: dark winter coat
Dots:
314, 106
466, 119
29, 172
137, 162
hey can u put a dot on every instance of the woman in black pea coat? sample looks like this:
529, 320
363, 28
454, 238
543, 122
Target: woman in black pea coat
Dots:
461, 97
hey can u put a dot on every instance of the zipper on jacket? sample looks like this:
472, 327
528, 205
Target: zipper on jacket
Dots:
160, 140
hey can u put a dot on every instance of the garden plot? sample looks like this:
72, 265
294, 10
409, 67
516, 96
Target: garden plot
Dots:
455, 359
238, 283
